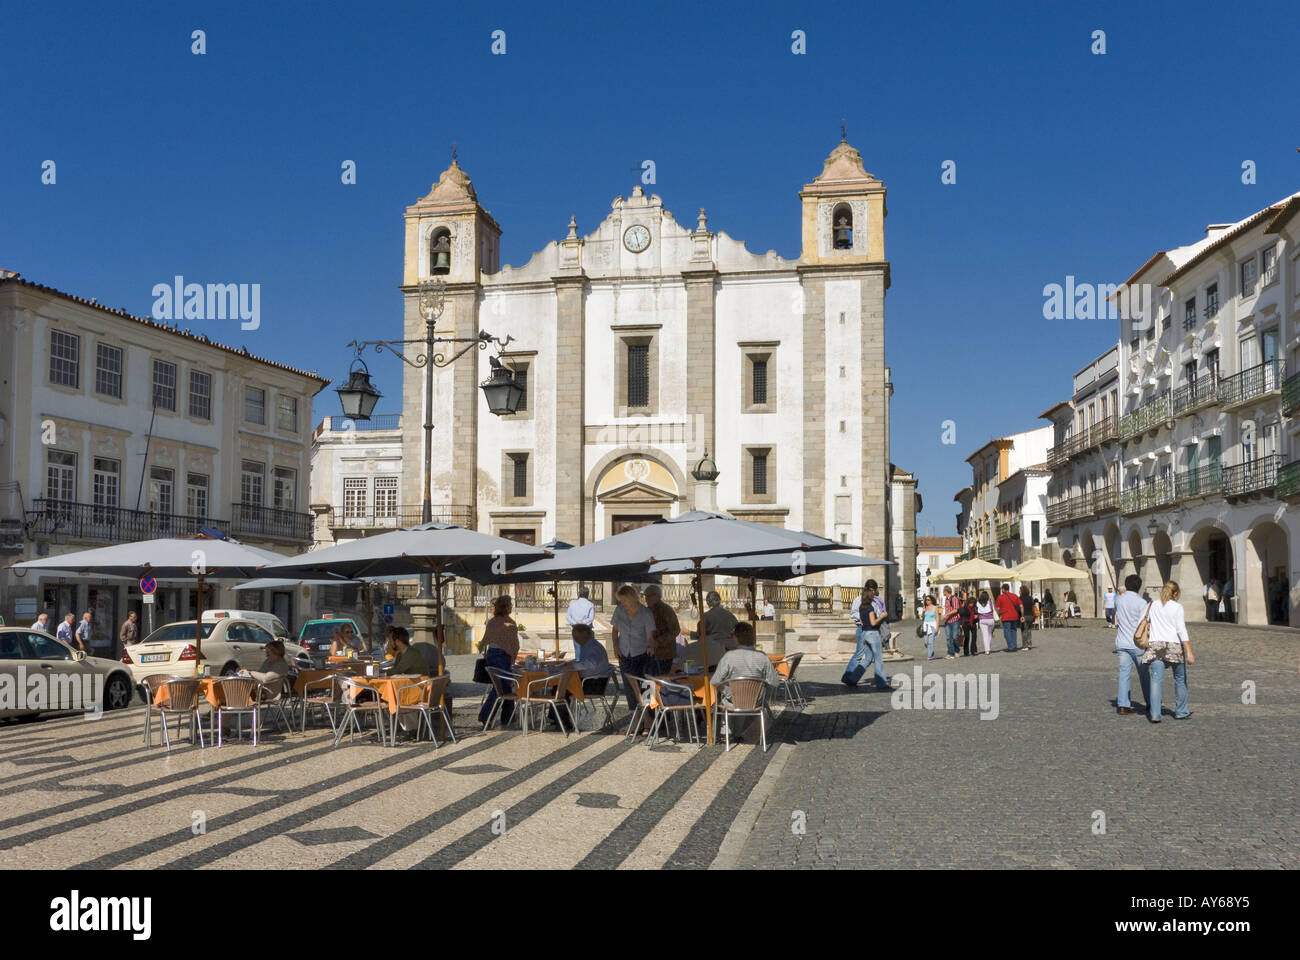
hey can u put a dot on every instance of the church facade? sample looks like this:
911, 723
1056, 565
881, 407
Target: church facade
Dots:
645, 346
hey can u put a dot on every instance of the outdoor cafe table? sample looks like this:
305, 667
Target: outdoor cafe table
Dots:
574, 687
390, 689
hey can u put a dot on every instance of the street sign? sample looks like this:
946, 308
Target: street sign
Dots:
388, 609
148, 598
148, 585
388, 618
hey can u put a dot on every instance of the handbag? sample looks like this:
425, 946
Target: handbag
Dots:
480, 671
1142, 630
920, 630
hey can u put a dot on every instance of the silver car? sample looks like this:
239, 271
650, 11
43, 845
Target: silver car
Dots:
41, 674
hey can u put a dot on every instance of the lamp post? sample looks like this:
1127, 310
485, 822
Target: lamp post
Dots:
358, 397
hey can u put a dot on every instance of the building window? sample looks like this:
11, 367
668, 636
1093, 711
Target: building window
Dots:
842, 227
196, 495
1249, 271
638, 375
1212, 362
758, 379
161, 489
252, 482
1189, 314
164, 385
1189, 371
385, 497
200, 395
759, 480
516, 478
65, 359
354, 497
108, 370
106, 491
60, 476
520, 475
521, 378
1212, 300
528, 537
1035, 537
1269, 259
254, 405
286, 413
284, 488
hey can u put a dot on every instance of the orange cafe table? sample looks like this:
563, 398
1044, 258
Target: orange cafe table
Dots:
394, 690
574, 686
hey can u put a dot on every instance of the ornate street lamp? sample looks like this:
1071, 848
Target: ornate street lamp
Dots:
501, 390
358, 397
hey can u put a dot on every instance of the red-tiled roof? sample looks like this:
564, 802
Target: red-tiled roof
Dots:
197, 338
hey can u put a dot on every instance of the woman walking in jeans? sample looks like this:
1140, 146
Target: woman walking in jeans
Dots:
501, 643
1168, 643
969, 618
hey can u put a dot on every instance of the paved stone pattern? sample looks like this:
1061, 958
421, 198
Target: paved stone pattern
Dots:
876, 786
881, 787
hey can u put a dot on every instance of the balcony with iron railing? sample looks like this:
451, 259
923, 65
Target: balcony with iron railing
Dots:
1088, 504
1253, 476
1083, 441
270, 523
1291, 394
87, 521
367, 517
1145, 417
1288, 481
1252, 384
1206, 481
1008, 531
988, 552
1150, 495
1201, 392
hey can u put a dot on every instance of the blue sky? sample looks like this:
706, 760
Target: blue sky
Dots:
226, 167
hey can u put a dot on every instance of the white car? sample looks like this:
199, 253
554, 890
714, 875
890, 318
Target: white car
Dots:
40, 674
267, 621
228, 646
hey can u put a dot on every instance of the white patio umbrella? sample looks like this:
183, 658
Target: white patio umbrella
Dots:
201, 558
695, 537
445, 549
972, 569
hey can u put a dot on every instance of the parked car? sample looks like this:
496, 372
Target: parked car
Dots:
315, 636
267, 621
229, 644
71, 680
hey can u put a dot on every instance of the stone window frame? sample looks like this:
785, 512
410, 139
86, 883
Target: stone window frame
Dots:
638, 335
533, 520
525, 360
747, 469
508, 460
104, 395
750, 352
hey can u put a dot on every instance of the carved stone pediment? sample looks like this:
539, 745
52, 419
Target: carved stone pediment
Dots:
634, 491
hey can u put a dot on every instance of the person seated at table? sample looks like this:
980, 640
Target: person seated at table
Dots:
345, 642
500, 646
406, 658
693, 653
274, 669
593, 660
744, 661
719, 622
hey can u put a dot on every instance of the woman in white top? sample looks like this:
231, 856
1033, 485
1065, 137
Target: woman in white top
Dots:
1168, 643
985, 612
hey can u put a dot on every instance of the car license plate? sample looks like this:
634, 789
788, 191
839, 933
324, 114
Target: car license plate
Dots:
154, 657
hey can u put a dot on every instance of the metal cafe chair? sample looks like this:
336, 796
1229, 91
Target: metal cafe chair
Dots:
549, 692
428, 705
272, 700
151, 684
181, 699
748, 699
239, 696
790, 688
603, 690
355, 708
641, 688
324, 694
666, 709
506, 685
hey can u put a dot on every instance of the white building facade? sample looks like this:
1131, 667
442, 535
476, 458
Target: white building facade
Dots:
1199, 478
646, 345
116, 428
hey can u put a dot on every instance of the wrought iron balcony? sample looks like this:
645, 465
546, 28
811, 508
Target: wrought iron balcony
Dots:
1291, 394
397, 517
272, 523
1008, 531
1201, 392
1251, 476
1206, 481
1147, 496
1083, 441
1252, 383
989, 552
87, 521
1288, 481
1145, 417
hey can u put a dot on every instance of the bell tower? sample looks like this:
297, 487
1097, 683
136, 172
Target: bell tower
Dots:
449, 237
843, 212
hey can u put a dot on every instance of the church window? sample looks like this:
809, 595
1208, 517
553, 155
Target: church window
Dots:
636, 371
440, 252
760, 474
842, 226
516, 478
759, 378
638, 375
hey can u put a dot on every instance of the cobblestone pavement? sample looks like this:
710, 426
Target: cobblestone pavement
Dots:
874, 786
878, 786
